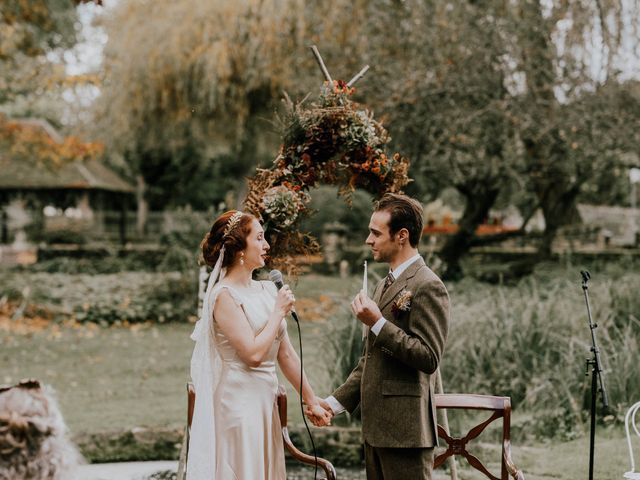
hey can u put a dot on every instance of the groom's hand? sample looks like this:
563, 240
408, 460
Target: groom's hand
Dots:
365, 309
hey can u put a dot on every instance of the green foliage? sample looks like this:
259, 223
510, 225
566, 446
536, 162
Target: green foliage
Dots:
126, 297
64, 235
30, 30
93, 265
183, 241
346, 346
530, 342
327, 207
177, 117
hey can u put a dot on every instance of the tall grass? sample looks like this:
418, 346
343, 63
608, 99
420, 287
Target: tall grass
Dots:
530, 342
346, 345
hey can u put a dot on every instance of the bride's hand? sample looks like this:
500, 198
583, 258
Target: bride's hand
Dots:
284, 301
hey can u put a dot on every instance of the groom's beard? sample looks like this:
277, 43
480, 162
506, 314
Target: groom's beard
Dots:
385, 256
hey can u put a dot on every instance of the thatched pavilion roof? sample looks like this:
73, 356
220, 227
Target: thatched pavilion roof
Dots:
80, 175
33, 156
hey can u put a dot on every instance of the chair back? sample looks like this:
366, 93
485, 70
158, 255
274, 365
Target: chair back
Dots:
191, 401
499, 407
630, 421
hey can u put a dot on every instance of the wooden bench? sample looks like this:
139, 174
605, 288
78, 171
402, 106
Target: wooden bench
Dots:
500, 408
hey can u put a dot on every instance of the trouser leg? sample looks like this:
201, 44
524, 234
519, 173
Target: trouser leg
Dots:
372, 463
399, 463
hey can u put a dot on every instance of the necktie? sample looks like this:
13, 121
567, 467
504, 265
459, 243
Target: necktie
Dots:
388, 280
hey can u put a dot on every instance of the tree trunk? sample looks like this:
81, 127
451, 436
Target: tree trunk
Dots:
479, 202
555, 191
559, 209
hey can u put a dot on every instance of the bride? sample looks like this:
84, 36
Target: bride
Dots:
235, 433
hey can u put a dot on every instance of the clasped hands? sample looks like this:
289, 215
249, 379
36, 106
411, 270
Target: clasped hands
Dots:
319, 413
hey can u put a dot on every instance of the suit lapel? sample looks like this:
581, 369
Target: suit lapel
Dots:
400, 283
378, 291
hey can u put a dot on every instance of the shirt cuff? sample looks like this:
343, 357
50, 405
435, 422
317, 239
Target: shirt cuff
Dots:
335, 405
378, 325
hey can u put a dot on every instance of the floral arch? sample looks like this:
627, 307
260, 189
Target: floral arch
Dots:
331, 141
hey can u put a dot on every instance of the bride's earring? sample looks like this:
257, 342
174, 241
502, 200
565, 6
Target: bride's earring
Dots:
241, 258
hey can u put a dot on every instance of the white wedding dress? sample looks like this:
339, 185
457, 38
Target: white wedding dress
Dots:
238, 438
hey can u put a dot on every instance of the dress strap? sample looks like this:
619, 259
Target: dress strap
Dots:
237, 297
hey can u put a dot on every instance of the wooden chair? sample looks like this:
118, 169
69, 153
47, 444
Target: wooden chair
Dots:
500, 407
323, 464
630, 422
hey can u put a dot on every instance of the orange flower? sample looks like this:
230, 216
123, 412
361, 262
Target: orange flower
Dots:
376, 170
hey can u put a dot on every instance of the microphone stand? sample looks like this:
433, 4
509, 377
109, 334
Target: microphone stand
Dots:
597, 376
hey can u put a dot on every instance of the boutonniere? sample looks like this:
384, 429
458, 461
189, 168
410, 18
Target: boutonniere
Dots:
402, 303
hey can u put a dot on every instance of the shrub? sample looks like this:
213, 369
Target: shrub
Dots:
182, 243
328, 207
64, 235
128, 297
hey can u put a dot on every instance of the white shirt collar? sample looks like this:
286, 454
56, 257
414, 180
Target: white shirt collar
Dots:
403, 266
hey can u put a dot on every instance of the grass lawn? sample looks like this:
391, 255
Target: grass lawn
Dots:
106, 378
567, 460
117, 378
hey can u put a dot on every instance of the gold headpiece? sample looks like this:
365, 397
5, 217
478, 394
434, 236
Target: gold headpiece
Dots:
233, 221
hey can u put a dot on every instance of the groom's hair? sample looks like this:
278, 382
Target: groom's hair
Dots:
405, 212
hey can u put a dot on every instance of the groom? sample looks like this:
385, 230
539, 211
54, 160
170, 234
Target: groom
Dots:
407, 320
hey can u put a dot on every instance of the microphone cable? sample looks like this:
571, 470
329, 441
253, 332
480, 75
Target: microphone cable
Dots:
304, 418
276, 277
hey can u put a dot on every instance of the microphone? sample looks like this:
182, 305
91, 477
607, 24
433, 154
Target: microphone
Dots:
276, 277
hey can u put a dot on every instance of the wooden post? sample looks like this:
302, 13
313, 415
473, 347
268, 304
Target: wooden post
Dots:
4, 236
123, 220
445, 424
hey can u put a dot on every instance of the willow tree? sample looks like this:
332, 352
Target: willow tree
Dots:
575, 115
186, 97
482, 95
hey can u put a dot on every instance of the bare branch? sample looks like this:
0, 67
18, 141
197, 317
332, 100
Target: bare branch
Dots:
316, 53
358, 76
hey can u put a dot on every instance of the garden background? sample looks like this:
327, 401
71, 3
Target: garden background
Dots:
122, 137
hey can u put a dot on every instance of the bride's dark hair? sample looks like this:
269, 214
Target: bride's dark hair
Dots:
234, 241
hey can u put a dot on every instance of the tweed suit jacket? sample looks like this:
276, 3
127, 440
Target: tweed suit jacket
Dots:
392, 381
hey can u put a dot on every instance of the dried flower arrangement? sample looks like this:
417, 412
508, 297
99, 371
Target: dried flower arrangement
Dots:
334, 141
